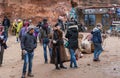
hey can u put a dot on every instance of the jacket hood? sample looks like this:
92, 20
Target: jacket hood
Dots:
73, 26
95, 29
74, 29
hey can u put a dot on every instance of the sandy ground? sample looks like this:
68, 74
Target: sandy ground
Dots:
109, 67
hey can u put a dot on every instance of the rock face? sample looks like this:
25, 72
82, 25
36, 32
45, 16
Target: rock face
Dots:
38, 9
34, 9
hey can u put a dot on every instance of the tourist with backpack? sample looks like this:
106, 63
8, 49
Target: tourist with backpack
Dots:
72, 36
45, 39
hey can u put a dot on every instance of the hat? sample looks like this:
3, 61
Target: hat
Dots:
45, 19
30, 28
30, 20
19, 20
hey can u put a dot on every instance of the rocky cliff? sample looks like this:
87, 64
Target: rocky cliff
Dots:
34, 9
38, 9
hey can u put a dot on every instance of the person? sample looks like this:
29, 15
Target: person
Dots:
19, 26
14, 26
36, 31
97, 41
58, 54
72, 35
82, 27
44, 37
61, 23
39, 24
71, 22
22, 33
3, 45
6, 24
23, 30
28, 44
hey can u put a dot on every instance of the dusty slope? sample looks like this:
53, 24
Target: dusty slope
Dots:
107, 68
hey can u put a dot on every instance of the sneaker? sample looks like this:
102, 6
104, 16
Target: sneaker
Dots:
71, 66
46, 62
23, 76
30, 75
98, 60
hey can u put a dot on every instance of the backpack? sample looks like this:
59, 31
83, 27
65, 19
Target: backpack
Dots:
45, 26
44, 33
46, 40
37, 30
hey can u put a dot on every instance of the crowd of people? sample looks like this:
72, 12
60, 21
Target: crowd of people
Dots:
51, 37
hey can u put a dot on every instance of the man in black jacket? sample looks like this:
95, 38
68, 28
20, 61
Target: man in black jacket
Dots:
6, 24
72, 35
28, 44
2, 44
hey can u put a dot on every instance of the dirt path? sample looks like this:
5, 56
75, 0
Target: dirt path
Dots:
109, 67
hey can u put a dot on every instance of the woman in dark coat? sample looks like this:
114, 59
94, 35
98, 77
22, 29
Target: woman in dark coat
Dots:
58, 54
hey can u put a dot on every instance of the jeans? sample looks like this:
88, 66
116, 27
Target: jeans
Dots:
98, 50
28, 57
1, 54
6, 30
45, 51
73, 58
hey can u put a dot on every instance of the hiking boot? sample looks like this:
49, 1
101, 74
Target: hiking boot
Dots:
57, 68
63, 67
30, 75
76, 67
71, 66
96, 60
